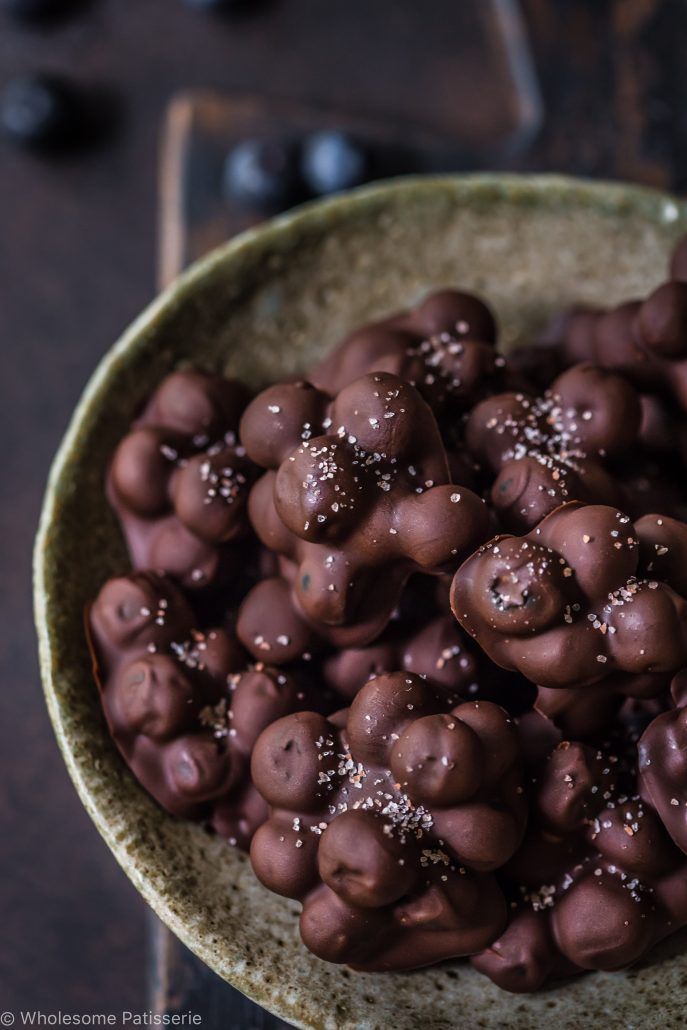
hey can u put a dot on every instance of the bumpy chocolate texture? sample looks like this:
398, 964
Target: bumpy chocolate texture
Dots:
432, 646
179, 480
438, 651
181, 711
445, 347
597, 881
387, 830
271, 629
585, 600
645, 340
578, 344
441, 653
547, 450
663, 764
357, 498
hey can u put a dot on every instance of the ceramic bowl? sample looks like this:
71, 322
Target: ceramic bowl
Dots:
261, 307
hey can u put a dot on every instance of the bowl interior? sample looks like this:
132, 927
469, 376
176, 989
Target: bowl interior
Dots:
263, 307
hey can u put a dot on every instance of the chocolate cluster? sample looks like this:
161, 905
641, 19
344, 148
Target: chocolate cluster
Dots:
387, 821
181, 704
445, 347
507, 784
644, 340
357, 497
179, 480
597, 880
587, 601
663, 764
543, 451
438, 651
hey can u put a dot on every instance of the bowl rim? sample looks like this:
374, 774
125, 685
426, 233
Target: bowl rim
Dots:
520, 189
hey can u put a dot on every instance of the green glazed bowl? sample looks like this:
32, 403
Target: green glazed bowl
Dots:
262, 307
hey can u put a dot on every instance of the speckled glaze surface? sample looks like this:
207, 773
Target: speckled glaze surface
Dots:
261, 307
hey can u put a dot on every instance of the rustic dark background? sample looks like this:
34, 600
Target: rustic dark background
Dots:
78, 259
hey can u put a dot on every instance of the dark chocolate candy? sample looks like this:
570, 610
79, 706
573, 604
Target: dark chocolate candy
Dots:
389, 820
645, 340
444, 347
357, 497
597, 880
438, 651
179, 480
180, 704
387, 830
578, 601
544, 451
441, 653
663, 764
270, 627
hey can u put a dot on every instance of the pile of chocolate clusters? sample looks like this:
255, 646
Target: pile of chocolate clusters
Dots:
413, 630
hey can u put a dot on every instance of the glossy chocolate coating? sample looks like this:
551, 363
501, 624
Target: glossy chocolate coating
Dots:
179, 480
438, 651
180, 704
444, 347
547, 450
387, 829
644, 340
358, 507
580, 713
271, 629
572, 604
441, 653
422, 823
597, 880
663, 765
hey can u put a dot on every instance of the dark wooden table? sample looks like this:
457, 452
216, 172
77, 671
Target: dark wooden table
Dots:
589, 87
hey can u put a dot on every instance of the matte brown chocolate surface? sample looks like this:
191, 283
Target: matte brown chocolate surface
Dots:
376, 818
179, 481
385, 844
356, 497
572, 604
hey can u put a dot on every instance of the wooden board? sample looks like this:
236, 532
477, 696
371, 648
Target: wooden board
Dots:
486, 113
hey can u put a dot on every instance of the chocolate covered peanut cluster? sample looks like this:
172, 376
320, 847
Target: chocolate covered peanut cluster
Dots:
585, 599
387, 820
663, 764
179, 480
438, 651
445, 347
507, 785
357, 497
643, 340
182, 707
597, 880
544, 451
